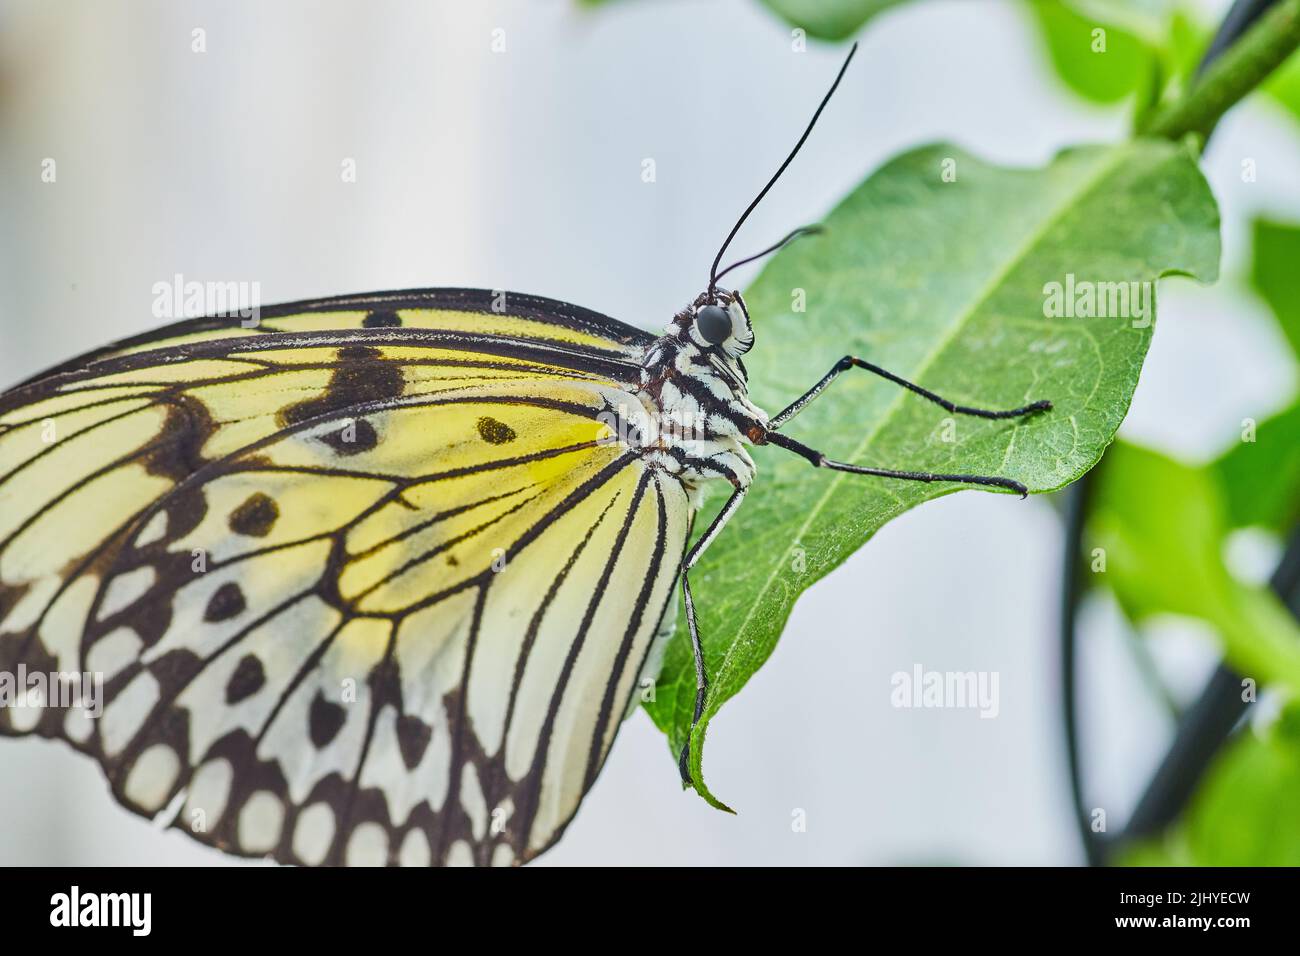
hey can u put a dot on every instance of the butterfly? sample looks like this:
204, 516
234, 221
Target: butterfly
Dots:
375, 580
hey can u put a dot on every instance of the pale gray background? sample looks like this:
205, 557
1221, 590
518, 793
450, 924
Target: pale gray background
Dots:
522, 170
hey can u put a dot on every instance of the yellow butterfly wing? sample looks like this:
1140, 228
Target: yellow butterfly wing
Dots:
371, 582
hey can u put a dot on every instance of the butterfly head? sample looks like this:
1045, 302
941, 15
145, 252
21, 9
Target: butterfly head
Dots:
717, 320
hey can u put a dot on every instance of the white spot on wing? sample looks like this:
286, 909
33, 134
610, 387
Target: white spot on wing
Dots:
27, 714
368, 846
113, 651
153, 530
124, 715
210, 789
125, 589
415, 849
314, 833
503, 855
77, 725
260, 822
152, 777
460, 854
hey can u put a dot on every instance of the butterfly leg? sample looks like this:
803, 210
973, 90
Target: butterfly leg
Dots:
819, 460
701, 675
849, 361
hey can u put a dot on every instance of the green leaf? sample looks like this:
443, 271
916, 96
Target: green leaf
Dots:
1261, 478
1153, 49
1106, 75
1148, 20
832, 20
1162, 525
1260, 475
829, 19
1247, 812
1276, 248
941, 282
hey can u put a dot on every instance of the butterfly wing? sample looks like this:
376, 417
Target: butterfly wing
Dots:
369, 583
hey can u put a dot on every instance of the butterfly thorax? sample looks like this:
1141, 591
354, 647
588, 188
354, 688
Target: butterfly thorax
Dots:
698, 415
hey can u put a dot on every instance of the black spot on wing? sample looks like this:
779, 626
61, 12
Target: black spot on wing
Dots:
186, 509
495, 432
361, 375
227, 602
247, 680
412, 738
151, 619
357, 354
255, 517
186, 428
324, 721
382, 319
352, 438
10, 595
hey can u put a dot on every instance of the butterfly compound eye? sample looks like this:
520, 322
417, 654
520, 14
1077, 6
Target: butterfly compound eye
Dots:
713, 324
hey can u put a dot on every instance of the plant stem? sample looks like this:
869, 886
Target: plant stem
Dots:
1241, 68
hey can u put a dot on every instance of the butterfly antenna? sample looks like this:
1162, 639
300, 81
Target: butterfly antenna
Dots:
791, 237
713, 272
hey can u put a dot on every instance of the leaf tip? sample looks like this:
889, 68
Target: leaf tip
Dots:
714, 802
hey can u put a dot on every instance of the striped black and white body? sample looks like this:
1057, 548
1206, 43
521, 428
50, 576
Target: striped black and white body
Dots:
696, 393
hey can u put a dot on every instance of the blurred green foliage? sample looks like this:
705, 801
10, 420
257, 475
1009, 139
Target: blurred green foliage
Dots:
1273, 274
1261, 478
1147, 51
1163, 527
1244, 813
1152, 49
1077, 53
1164, 524
829, 19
